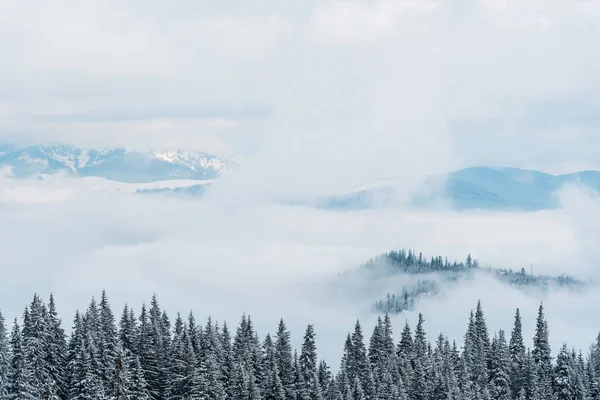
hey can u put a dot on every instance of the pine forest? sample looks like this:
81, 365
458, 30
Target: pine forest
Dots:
144, 356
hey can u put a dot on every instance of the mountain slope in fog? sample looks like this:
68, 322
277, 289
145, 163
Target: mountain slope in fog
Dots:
472, 188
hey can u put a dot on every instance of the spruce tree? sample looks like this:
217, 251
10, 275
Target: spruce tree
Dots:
541, 354
309, 385
272, 386
138, 388
284, 358
35, 349
563, 376
57, 350
420, 343
500, 388
159, 341
226, 361
107, 340
147, 352
517, 356
120, 379
18, 387
4, 358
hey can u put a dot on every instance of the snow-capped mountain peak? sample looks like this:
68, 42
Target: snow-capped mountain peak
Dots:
113, 163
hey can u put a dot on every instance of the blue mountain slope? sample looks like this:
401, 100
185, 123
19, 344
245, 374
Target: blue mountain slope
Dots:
476, 188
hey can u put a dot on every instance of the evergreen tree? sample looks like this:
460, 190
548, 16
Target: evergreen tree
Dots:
284, 358
359, 362
138, 389
147, 351
542, 356
226, 361
563, 377
35, 349
120, 379
517, 356
18, 385
107, 340
418, 388
325, 377
309, 384
56, 351
159, 341
127, 331
420, 343
4, 358
500, 388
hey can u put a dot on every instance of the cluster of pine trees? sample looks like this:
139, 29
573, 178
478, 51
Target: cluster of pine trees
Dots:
408, 261
146, 357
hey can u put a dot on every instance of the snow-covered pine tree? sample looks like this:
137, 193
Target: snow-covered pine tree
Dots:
325, 377
107, 340
359, 361
563, 375
272, 386
418, 389
284, 357
593, 388
146, 350
542, 355
120, 379
18, 387
516, 349
138, 389
226, 360
35, 349
56, 351
500, 388
482, 348
159, 340
127, 331
209, 364
309, 384
4, 358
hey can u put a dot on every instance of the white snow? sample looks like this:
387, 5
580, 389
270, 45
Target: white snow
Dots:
84, 158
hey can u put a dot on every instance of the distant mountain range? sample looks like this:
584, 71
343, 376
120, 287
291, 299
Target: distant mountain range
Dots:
466, 189
116, 164
472, 188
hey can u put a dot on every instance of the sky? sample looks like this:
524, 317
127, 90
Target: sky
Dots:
313, 94
355, 83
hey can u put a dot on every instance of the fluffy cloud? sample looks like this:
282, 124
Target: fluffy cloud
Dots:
452, 82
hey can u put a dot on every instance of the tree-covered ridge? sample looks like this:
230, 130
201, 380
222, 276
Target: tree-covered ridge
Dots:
409, 262
145, 357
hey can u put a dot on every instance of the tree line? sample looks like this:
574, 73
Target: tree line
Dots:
146, 357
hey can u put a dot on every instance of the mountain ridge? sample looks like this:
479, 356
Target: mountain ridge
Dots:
117, 164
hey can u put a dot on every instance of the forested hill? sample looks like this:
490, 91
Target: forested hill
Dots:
145, 357
437, 273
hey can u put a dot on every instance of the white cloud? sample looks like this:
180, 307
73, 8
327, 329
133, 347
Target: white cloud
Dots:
362, 22
381, 78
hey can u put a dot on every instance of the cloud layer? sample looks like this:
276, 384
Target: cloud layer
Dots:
76, 237
372, 87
